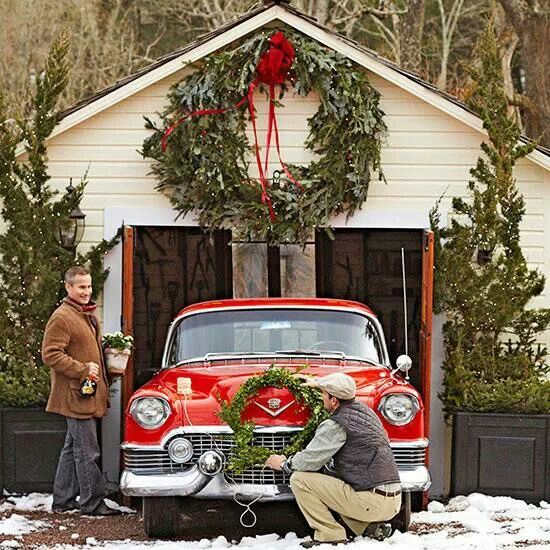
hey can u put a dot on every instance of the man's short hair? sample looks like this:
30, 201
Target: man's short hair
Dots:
73, 272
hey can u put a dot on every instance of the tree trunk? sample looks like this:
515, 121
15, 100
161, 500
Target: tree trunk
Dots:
531, 21
507, 41
319, 10
536, 64
410, 35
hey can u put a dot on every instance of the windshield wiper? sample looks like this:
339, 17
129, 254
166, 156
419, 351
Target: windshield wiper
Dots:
215, 354
309, 352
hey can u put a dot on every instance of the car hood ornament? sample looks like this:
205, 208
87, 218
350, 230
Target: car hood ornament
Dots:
274, 406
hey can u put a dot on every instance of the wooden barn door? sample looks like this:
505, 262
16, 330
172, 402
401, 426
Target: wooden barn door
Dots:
365, 265
164, 270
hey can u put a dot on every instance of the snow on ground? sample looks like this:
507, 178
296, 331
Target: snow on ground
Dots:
19, 525
476, 522
40, 502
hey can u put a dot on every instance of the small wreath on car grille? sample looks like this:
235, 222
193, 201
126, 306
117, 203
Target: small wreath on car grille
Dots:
246, 455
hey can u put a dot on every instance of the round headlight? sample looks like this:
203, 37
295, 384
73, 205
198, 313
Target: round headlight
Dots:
399, 408
180, 450
150, 412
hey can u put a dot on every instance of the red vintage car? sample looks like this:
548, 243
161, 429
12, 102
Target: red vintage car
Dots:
175, 445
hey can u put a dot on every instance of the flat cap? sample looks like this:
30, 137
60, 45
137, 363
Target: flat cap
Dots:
338, 384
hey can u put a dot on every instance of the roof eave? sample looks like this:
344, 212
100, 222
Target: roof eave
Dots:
256, 19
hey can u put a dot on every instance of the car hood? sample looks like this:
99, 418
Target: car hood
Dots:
220, 381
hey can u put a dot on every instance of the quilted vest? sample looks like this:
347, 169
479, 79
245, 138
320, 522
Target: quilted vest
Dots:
366, 459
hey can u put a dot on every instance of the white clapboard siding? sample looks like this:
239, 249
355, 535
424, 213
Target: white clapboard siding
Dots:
426, 154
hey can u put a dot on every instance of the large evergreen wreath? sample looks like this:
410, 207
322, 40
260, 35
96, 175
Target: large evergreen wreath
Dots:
246, 455
205, 167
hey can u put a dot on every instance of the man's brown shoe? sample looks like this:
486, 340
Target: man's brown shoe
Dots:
69, 507
104, 510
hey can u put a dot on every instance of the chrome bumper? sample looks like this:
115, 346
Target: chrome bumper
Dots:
194, 483
415, 480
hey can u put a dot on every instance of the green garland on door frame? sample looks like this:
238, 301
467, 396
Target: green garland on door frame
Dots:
245, 455
205, 166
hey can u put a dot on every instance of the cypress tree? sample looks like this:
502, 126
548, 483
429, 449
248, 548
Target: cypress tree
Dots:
483, 284
32, 261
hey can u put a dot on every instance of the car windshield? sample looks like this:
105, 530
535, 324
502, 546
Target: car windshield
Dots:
275, 330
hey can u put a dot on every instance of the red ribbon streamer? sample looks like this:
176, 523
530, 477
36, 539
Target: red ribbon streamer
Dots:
273, 68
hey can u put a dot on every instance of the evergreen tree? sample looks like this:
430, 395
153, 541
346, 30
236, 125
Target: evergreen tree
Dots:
483, 283
33, 262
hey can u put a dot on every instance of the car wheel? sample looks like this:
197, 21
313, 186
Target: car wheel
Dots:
402, 520
160, 517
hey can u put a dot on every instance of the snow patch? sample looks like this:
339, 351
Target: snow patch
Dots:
33, 502
19, 525
117, 506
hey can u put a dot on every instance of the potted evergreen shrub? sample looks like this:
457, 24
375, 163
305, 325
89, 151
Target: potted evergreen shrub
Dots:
496, 385
31, 281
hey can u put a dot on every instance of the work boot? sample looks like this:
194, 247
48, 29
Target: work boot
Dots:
379, 531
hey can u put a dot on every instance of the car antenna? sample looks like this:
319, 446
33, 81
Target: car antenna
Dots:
405, 314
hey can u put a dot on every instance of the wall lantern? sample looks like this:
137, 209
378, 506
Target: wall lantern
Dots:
71, 230
484, 256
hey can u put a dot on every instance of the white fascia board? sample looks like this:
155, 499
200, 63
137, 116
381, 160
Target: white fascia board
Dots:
393, 76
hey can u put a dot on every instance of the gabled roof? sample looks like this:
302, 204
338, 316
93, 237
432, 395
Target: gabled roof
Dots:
248, 23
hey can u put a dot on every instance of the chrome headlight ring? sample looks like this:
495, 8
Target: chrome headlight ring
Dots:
399, 408
180, 450
150, 412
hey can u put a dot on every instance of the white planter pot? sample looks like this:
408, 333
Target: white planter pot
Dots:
116, 360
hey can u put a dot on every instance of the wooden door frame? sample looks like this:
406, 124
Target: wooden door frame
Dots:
127, 321
426, 316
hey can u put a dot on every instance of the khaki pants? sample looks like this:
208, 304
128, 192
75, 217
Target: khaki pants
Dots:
318, 494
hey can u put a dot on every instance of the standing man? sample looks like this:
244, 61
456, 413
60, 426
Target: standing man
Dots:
362, 485
72, 349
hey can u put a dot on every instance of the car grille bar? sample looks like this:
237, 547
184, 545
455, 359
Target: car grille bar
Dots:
144, 461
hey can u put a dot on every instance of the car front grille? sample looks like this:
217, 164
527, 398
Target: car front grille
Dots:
144, 462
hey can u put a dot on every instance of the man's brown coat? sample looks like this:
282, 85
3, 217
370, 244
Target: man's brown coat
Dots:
70, 341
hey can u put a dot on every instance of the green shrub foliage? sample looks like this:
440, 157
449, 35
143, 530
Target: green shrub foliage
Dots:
492, 361
32, 261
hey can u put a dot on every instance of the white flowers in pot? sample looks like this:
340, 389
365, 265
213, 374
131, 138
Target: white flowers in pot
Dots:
117, 349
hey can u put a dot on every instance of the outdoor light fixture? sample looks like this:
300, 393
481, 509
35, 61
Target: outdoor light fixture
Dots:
484, 256
71, 230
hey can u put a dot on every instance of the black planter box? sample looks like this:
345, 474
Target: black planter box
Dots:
30, 442
501, 454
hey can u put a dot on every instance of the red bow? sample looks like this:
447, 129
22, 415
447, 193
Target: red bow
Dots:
276, 62
274, 68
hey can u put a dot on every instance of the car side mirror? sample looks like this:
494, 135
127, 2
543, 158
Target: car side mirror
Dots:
404, 364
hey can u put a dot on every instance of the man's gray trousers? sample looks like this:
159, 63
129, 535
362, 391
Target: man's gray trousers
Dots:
78, 470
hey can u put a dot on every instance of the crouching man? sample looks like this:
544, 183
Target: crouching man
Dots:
361, 480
